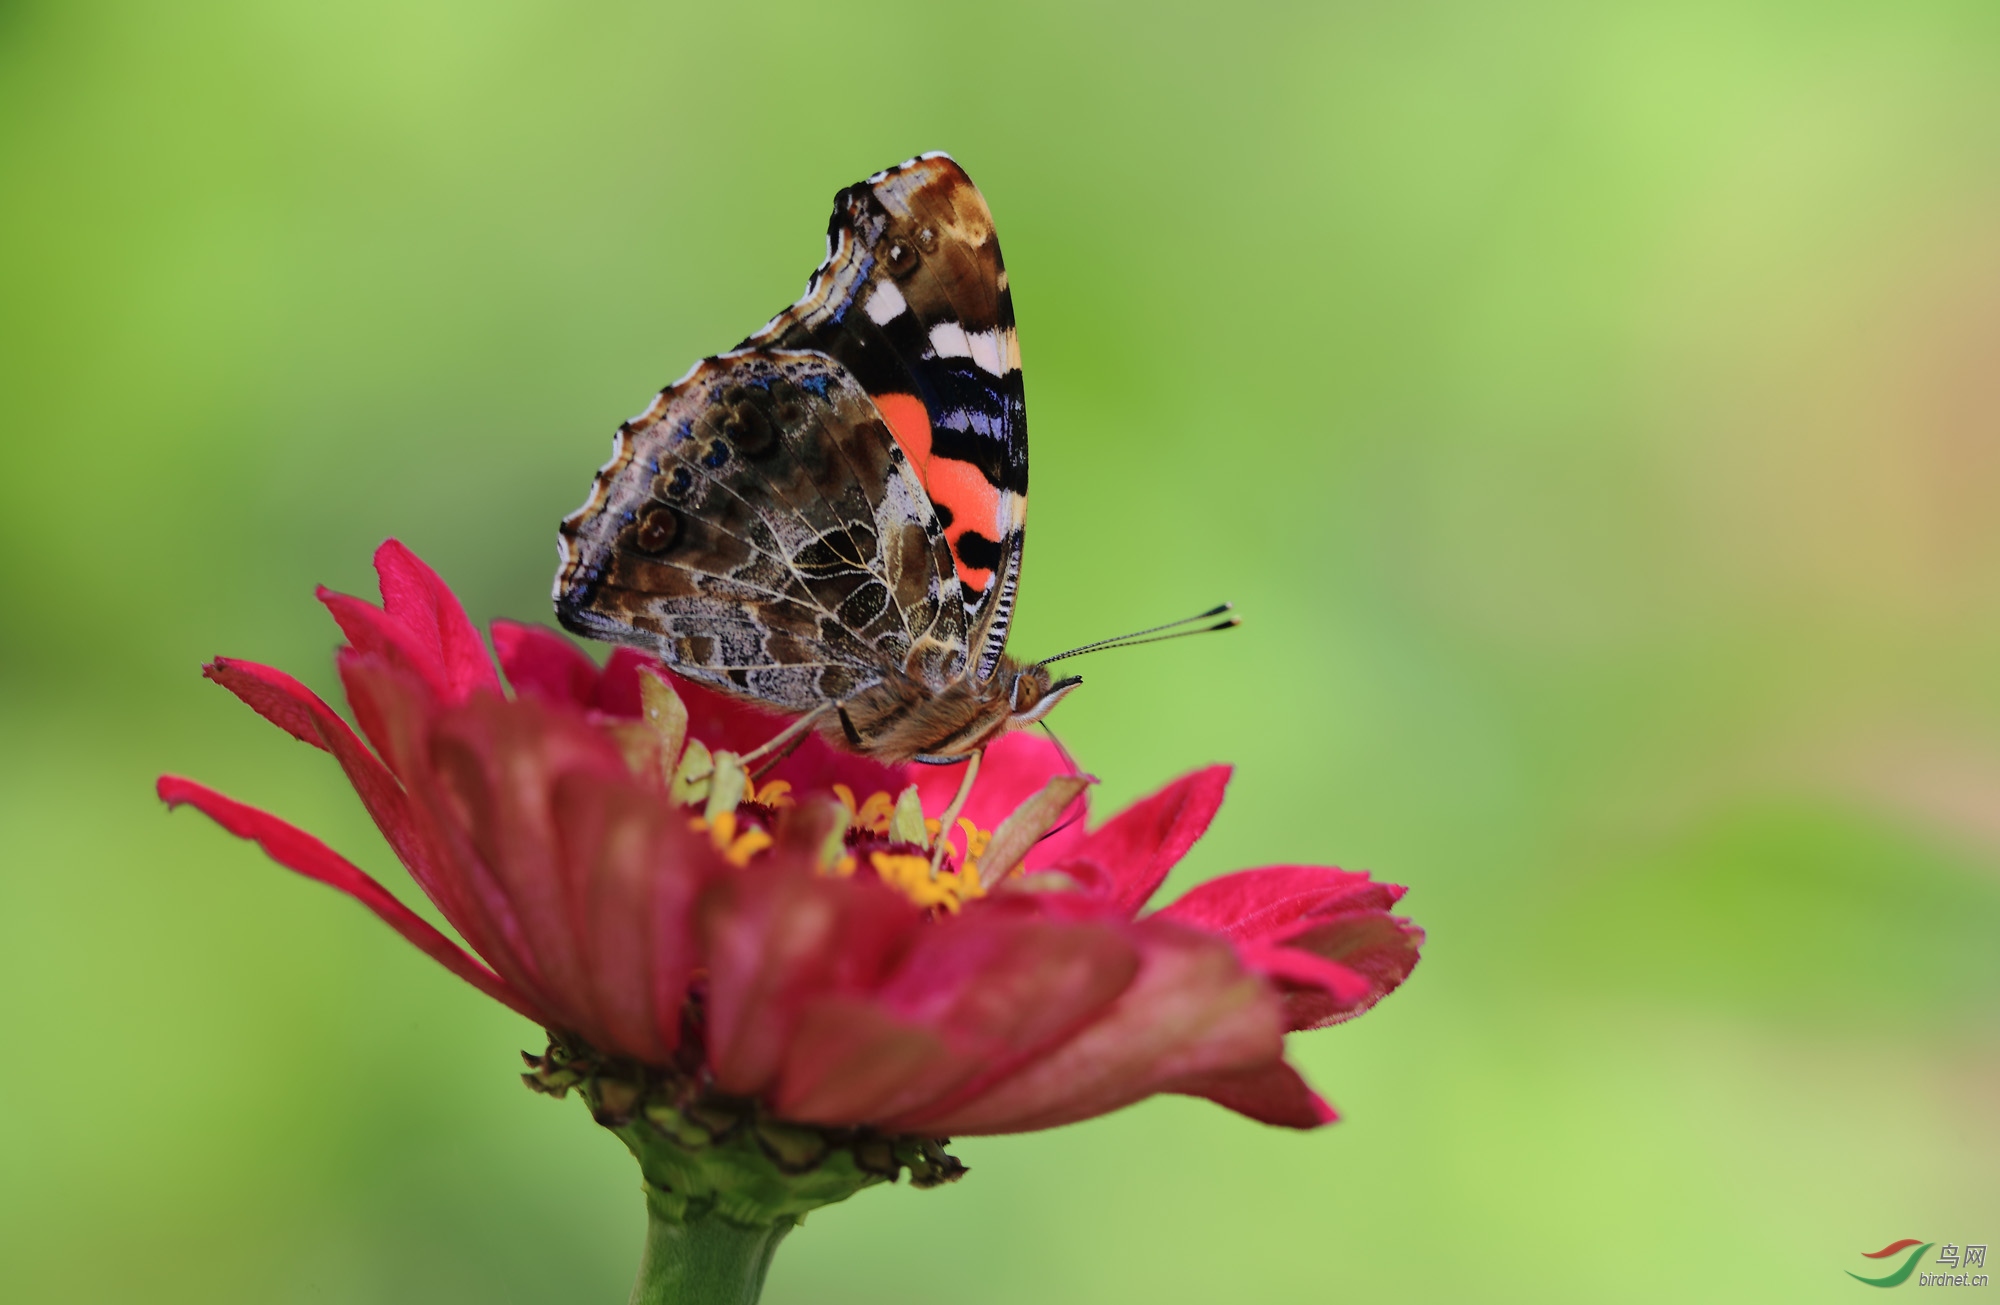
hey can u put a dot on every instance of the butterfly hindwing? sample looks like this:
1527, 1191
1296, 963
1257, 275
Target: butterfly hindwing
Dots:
760, 527
913, 301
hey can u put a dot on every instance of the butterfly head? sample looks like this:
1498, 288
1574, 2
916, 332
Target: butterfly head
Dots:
940, 726
1032, 693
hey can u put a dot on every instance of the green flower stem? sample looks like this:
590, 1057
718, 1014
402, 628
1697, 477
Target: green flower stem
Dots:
724, 1181
709, 1260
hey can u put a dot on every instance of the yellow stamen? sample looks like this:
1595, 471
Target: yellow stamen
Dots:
722, 830
748, 845
737, 849
899, 818
874, 813
976, 840
911, 876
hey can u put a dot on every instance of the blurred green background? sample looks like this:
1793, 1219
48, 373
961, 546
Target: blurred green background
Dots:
1595, 410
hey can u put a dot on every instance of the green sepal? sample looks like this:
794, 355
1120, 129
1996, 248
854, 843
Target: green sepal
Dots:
705, 1154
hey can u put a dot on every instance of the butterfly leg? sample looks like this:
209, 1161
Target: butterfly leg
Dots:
957, 805
785, 740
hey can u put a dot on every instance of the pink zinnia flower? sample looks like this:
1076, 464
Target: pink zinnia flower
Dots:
706, 948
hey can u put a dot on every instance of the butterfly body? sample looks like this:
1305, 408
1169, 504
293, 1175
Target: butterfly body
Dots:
901, 719
829, 519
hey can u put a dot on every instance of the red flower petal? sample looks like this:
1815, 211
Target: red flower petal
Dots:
300, 712
285, 702
1317, 991
413, 595
397, 712
848, 1056
420, 626
1375, 946
971, 1002
372, 631
1193, 1012
618, 688
488, 778
631, 868
297, 850
404, 713
1284, 915
1273, 1094
776, 936
1292, 968
1137, 847
571, 876
542, 664
1255, 903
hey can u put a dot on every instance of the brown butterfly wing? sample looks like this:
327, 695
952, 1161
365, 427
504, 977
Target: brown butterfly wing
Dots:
913, 300
759, 528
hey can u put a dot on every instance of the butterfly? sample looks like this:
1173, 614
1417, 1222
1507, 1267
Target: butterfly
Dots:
829, 519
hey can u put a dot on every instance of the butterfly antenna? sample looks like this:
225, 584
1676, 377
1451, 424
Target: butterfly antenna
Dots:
1157, 634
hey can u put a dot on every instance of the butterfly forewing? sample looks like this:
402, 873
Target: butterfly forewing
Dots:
913, 300
761, 528
833, 512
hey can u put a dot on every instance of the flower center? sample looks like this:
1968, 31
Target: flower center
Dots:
889, 835
900, 822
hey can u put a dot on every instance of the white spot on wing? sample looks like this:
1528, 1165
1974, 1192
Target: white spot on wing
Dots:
885, 302
948, 341
986, 351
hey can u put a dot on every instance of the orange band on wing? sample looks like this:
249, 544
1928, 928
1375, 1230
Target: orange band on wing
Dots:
911, 425
974, 503
960, 488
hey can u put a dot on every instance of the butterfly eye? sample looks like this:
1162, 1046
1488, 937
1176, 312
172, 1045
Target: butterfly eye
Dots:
715, 454
899, 256
658, 530
927, 240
